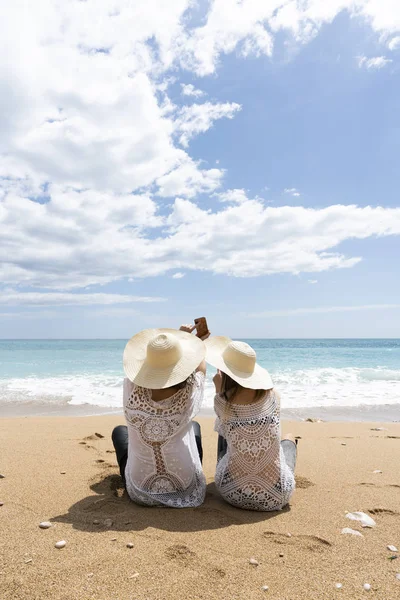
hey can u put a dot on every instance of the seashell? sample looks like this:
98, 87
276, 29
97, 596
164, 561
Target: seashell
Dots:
1, 503
129, 545
28, 560
365, 520
281, 554
90, 574
60, 544
367, 587
392, 548
134, 576
377, 471
45, 525
352, 531
289, 535
254, 562
108, 522
113, 539
265, 588
62, 472
2, 476
96, 522
398, 576
344, 444
338, 586
378, 429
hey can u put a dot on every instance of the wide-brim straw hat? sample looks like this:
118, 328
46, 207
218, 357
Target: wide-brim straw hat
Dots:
160, 358
238, 360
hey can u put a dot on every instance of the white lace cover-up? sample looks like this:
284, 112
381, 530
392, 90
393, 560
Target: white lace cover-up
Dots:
253, 474
163, 467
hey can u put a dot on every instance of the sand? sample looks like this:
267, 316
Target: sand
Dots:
198, 553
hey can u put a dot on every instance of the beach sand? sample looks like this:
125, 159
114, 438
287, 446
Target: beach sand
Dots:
198, 553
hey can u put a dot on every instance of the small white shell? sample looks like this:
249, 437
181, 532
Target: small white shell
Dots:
398, 576
352, 531
2, 476
96, 522
377, 471
45, 525
392, 548
129, 545
338, 586
254, 562
367, 587
60, 544
28, 560
1, 503
364, 519
289, 534
265, 588
134, 576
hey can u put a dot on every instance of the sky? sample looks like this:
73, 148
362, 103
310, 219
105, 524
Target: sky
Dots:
234, 159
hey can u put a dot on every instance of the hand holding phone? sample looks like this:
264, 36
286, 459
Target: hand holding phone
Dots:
201, 328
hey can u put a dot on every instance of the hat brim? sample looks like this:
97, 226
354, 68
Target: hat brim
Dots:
259, 379
142, 374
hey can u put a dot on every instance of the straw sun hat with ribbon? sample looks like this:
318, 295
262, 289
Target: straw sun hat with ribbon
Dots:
161, 358
238, 360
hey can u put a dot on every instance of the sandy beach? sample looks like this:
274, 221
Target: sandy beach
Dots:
62, 470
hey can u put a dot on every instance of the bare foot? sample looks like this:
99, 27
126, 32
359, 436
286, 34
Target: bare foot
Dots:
289, 436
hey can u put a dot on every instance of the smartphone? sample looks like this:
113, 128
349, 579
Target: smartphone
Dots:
201, 327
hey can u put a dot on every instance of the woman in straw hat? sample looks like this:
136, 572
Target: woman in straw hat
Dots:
255, 469
159, 452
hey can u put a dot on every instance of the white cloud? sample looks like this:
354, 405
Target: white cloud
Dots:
80, 239
198, 118
190, 90
377, 62
87, 125
189, 180
322, 310
313, 281
394, 43
178, 275
292, 192
16, 298
237, 196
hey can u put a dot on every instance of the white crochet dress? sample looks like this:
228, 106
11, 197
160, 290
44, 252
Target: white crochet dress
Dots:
163, 467
253, 473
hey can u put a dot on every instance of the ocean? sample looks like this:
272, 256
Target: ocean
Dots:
312, 375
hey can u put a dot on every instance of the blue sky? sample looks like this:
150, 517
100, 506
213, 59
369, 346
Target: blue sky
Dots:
237, 160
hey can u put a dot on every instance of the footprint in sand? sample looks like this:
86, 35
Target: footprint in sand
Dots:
308, 542
303, 482
180, 552
392, 485
382, 511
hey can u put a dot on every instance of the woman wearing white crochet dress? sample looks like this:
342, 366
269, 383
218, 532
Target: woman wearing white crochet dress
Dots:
255, 469
159, 451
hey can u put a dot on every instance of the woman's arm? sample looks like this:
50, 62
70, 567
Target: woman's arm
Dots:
202, 368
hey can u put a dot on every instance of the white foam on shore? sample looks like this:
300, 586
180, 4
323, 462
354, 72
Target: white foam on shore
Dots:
318, 387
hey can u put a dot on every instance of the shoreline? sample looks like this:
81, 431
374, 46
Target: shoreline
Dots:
387, 413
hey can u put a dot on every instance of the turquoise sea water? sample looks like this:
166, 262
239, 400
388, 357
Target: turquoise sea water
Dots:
308, 373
